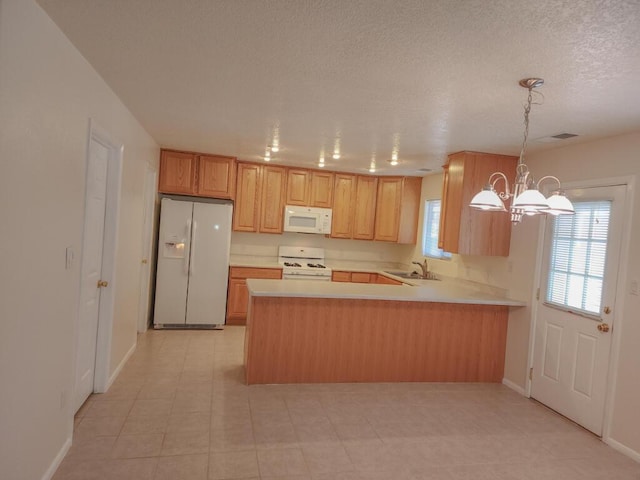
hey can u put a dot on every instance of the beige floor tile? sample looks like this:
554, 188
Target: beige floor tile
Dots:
183, 467
232, 465
98, 426
181, 400
135, 446
185, 443
92, 447
109, 408
281, 462
315, 433
328, 458
156, 406
139, 424
189, 422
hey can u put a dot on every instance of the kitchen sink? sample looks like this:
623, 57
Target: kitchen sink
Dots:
412, 275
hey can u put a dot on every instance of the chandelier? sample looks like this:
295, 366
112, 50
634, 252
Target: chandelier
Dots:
526, 196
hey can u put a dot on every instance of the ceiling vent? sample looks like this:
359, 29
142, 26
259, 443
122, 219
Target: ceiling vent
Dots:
556, 138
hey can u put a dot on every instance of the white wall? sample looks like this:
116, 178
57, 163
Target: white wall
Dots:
611, 157
263, 244
48, 92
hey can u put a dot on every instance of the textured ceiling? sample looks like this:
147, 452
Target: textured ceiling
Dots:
425, 78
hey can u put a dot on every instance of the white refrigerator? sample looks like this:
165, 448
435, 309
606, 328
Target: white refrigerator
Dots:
193, 264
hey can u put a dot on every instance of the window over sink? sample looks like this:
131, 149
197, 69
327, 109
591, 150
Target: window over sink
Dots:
431, 227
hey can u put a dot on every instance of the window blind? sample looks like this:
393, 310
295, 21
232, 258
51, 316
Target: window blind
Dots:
578, 257
431, 230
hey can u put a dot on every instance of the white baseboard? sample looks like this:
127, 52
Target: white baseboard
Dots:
120, 366
48, 475
622, 449
514, 386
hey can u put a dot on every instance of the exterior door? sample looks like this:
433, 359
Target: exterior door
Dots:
91, 269
576, 306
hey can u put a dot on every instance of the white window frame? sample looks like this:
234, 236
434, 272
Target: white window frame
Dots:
430, 229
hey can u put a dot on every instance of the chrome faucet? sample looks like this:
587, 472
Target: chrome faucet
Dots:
424, 267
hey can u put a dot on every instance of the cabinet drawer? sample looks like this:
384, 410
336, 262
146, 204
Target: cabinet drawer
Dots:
337, 276
251, 272
360, 277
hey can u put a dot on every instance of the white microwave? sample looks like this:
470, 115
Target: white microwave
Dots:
307, 219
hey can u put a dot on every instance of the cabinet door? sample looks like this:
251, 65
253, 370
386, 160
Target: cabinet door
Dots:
247, 206
388, 209
255, 272
343, 203
216, 176
409, 210
298, 187
237, 301
272, 205
360, 277
464, 230
177, 172
365, 208
321, 189
381, 279
445, 214
338, 276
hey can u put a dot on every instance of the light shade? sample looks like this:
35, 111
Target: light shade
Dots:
530, 201
559, 205
487, 199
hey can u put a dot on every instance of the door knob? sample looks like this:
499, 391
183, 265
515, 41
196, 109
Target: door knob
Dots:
144, 261
603, 327
102, 283
607, 310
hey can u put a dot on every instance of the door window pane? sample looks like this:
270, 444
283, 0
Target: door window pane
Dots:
578, 257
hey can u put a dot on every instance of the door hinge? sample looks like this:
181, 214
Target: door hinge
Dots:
538, 293
531, 373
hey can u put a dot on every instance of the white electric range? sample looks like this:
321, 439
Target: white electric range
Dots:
303, 263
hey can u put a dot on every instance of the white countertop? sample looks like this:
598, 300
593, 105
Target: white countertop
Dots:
444, 291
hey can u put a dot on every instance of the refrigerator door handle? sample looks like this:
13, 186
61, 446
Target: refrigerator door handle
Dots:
187, 241
192, 264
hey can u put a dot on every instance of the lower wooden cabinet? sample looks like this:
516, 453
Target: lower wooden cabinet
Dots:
362, 277
238, 294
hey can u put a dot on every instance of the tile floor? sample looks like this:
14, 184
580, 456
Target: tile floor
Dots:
180, 411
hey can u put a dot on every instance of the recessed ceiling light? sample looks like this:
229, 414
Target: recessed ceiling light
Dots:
275, 148
336, 155
393, 161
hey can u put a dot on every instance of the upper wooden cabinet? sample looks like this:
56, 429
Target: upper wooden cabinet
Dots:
321, 189
364, 211
309, 188
260, 194
247, 205
343, 203
177, 172
298, 187
464, 230
216, 176
189, 173
398, 203
354, 206
272, 205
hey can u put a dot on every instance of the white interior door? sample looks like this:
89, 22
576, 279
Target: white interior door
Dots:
173, 262
209, 271
91, 269
147, 239
576, 306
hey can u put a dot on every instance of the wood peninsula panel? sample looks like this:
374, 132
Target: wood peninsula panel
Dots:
319, 340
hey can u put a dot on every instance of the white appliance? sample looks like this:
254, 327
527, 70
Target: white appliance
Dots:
193, 264
303, 263
307, 219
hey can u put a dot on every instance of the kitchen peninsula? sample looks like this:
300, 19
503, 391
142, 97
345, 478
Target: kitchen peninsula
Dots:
327, 332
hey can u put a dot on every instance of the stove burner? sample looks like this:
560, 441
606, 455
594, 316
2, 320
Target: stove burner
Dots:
315, 265
289, 264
